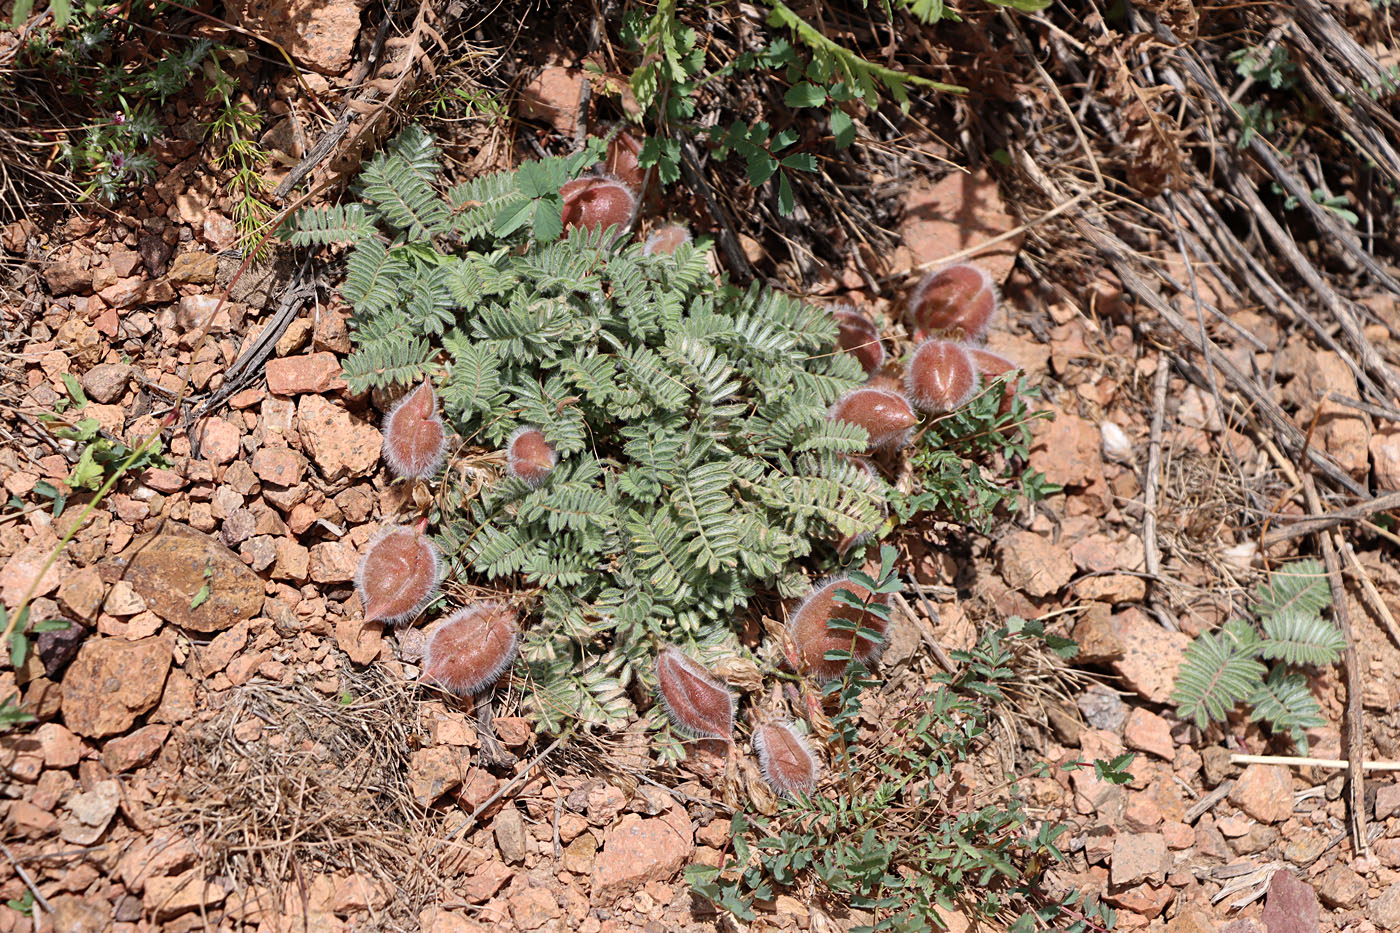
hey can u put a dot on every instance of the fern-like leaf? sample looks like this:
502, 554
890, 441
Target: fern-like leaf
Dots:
331, 225
1298, 636
1219, 670
1287, 705
1301, 586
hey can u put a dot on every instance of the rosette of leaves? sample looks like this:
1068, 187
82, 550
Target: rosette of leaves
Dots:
696, 465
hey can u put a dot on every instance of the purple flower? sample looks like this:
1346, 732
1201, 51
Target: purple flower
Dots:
119, 118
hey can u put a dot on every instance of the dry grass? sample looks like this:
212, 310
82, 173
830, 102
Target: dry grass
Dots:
324, 789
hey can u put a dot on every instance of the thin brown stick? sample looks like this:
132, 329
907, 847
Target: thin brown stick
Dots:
1298, 526
1356, 787
1304, 762
1371, 594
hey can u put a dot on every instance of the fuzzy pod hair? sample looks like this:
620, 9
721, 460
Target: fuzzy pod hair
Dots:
470, 649
957, 301
398, 575
622, 161
857, 335
788, 763
885, 414
697, 701
941, 376
597, 202
811, 631
664, 241
530, 456
991, 366
415, 439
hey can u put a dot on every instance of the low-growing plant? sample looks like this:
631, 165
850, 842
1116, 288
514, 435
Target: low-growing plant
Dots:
670, 447
893, 836
1225, 668
101, 454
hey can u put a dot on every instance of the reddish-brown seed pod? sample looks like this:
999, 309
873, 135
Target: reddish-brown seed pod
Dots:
857, 335
529, 456
398, 575
623, 151
991, 366
941, 376
788, 764
888, 383
470, 649
597, 202
697, 701
884, 414
811, 631
956, 300
666, 240
415, 440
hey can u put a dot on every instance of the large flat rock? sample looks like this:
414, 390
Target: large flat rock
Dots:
170, 568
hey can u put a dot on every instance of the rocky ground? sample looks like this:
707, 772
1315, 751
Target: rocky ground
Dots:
222, 743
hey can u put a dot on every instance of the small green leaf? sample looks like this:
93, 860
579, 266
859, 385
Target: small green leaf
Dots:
804, 94
513, 217
75, 391
549, 219
200, 597
534, 180
1025, 6
21, 12
843, 128
801, 162
19, 647
761, 167
786, 202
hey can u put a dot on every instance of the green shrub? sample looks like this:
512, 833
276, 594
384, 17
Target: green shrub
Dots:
698, 468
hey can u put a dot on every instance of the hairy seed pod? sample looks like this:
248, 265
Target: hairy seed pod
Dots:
470, 649
954, 301
415, 440
812, 634
666, 240
529, 456
597, 202
941, 376
857, 335
398, 575
622, 164
788, 764
888, 383
991, 366
884, 414
698, 702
